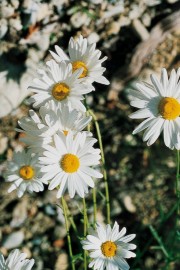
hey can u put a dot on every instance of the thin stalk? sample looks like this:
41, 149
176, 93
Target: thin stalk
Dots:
86, 225
158, 239
178, 191
68, 234
94, 207
94, 189
104, 167
70, 217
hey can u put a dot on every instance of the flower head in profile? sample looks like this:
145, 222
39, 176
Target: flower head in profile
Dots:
109, 248
24, 173
159, 103
68, 164
40, 129
85, 56
16, 261
61, 85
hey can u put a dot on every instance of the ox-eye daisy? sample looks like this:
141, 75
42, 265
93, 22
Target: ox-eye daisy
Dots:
16, 261
24, 172
84, 56
60, 85
40, 129
160, 104
108, 248
68, 164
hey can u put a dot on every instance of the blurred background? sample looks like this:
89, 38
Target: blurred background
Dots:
139, 37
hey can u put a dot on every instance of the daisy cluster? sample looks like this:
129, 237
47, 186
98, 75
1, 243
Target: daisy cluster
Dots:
61, 153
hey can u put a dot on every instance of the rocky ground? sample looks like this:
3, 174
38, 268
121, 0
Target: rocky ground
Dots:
141, 179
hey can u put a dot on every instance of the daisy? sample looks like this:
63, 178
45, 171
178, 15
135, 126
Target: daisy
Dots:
60, 85
16, 261
25, 174
68, 164
85, 56
109, 248
39, 130
159, 103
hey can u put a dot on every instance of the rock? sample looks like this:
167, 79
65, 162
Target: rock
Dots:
131, 140
16, 24
62, 262
6, 10
128, 204
116, 209
113, 28
27, 251
140, 29
93, 38
3, 27
13, 240
3, 143
80, 18
15, 3
172, 1
19, 213
146, 19
96, 2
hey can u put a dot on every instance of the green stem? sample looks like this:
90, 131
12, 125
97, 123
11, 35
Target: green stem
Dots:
68, 234
158, 239
104, 167
86, 225
70, 217
94, 189
94, 207
178, 190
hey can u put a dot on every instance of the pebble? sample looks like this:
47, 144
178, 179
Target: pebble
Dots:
129, 204
15, 3
93, 38
80, 18
6, 10
19, 213
14, 240
3, 27
62, 262
16, 24
113, 28
3, 144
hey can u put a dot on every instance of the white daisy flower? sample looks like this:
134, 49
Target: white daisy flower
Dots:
58, 84
25, 174
39, 130
177, 144
109, 248
159, 103
82, 55
68, 164
16, 261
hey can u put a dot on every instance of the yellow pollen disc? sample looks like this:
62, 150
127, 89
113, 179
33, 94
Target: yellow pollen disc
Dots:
108, 249
70, 163
60, 91
169, 108
26, 172
79, 64
65, 132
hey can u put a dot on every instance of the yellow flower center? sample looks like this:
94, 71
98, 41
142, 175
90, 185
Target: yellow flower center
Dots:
108, 249
70, 163
60, 91
169, 108
26, 172
65, 132
79, 64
